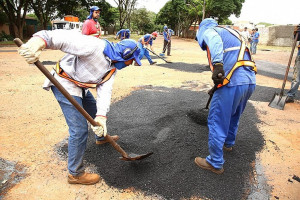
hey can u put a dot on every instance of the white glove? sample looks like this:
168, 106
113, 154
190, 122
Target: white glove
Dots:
32, 49
101, 130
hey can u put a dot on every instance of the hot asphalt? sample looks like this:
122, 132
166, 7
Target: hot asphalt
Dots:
169, 123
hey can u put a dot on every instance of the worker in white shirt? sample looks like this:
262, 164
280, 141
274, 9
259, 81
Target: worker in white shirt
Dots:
89, 62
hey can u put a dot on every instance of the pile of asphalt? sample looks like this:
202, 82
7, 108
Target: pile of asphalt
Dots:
170, 123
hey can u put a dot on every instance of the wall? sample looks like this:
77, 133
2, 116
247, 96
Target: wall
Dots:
281, 35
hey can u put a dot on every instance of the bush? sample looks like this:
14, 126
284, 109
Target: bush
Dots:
5, 37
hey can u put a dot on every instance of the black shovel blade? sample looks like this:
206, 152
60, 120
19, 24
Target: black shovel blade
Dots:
278, 101
133, 156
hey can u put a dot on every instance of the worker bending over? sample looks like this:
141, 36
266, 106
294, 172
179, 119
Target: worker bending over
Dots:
143, 43
89, 62
229, 57
123, 34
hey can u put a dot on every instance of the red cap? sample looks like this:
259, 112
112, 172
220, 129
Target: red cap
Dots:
154, 34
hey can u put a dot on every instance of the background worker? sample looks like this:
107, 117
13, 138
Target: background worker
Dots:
123, 34
167, 40
143, 42
245, 33
91, 26
229, 101
291, 94
255, 40
89, 62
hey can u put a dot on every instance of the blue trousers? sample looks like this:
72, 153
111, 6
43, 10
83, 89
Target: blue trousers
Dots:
227, 105
253, 47
78, 127
145, 52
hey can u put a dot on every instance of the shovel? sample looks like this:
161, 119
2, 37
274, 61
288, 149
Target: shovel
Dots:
158, 56
278, 100
42, 68
200, 116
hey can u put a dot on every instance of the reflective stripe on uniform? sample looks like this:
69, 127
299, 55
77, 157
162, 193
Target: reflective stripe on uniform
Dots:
231, 49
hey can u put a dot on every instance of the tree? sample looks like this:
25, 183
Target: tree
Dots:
143, 21
179, 15
44, 10
125, 8
222, 9
76, 8
16, 12
108, 15
3, 17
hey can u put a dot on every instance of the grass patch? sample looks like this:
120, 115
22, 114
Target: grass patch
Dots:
2, 43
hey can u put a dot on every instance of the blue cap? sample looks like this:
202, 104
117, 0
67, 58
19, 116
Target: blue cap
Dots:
92, 9
115, 51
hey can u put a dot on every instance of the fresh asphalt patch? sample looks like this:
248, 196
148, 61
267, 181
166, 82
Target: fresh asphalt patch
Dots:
170, 123
273, 70
159, 120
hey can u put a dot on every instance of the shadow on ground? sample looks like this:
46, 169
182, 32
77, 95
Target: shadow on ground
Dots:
166, 121
186, 67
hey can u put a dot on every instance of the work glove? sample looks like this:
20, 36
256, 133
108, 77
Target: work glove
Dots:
217, 72
32, 49
101, 130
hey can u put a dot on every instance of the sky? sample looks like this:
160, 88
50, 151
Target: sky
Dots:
270, 11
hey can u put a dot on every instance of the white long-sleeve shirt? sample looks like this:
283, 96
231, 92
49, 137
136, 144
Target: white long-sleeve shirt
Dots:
84, 62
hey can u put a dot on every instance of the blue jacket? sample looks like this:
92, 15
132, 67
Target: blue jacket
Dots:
147, 39
218, 39
168, 34
124, 34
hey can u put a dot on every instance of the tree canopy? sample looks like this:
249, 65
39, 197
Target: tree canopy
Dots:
179, 15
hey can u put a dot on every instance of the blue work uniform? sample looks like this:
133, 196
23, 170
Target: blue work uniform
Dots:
123, 34
167, 34
167, 40
229, 101
145, 40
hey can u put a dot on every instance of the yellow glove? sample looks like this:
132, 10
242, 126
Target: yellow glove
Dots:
32, 49
101, 130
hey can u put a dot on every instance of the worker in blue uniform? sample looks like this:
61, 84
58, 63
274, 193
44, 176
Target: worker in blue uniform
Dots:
228, 56
123, 34
167, 40
143, 42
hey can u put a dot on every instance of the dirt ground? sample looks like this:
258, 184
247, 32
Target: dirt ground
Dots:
32, 124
